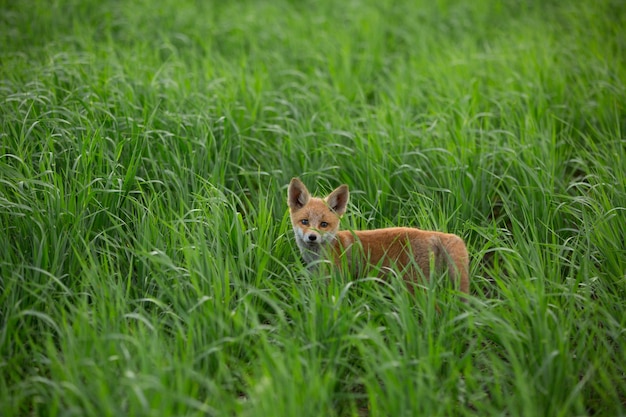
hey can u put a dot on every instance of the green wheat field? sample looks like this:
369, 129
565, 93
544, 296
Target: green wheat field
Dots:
147, 261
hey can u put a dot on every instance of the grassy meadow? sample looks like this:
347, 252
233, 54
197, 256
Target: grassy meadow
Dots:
147, 263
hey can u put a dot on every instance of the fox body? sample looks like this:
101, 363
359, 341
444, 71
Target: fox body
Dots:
411, 251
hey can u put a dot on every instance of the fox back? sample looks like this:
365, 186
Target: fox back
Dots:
316, 221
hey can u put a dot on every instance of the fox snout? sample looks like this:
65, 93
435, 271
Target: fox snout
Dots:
311, 237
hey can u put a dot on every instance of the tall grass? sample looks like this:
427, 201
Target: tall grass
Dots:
147, 265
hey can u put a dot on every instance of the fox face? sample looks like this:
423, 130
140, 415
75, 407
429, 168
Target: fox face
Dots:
315, 221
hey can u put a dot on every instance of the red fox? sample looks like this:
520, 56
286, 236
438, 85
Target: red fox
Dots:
316, 226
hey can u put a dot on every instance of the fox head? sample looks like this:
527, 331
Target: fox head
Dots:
315, 220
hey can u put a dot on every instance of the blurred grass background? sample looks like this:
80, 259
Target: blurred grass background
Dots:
147, 265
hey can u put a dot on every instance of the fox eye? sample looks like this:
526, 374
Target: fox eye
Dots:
323, 224
304, 221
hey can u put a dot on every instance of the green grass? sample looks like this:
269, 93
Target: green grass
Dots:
147, 266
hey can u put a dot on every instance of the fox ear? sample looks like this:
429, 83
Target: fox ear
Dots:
297, 195
338, 199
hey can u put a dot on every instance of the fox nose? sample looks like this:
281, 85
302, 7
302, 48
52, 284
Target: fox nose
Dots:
312, 238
